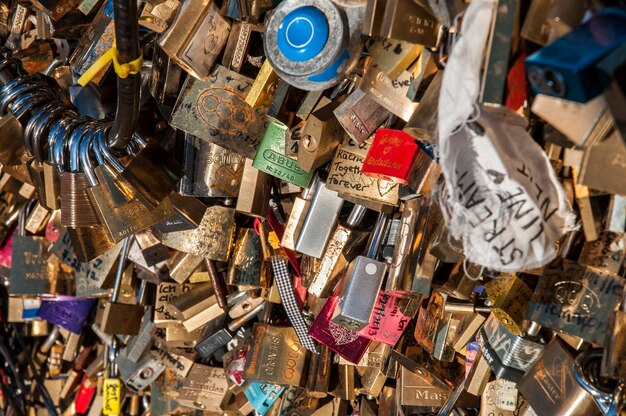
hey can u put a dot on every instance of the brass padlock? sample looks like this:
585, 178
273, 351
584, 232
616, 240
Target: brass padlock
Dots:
196, 37
121, 318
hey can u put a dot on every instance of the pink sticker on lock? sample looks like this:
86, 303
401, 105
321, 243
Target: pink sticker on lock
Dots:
387, 322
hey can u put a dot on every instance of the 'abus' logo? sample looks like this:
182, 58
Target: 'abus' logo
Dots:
577, 299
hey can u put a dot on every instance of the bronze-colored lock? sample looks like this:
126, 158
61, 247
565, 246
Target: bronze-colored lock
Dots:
320, 136
196, 37
121, 318
212, 238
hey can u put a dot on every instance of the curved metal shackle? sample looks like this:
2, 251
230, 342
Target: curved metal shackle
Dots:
95, 148
37, 117
73, 146
41, 128
14, 91
24, 210
27, 102
57, 140
86, 163
108, 156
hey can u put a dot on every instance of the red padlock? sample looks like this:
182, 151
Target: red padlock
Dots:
395, 155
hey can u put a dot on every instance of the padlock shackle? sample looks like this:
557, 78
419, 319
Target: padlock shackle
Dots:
120, 270
86, 164
377, 236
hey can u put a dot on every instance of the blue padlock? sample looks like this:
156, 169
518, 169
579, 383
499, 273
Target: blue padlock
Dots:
566, 68
262, 395
312, 44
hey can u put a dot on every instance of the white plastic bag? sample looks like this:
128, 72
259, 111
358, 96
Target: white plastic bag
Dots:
502, 199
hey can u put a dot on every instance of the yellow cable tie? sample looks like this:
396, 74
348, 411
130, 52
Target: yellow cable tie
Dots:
122, 70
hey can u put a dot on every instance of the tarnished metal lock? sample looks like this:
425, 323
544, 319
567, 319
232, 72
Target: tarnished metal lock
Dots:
360, 115
196, 37
298, 212
412, 266
247, 266
576, 300
121, 318
215, 110
197, 308
254, 191
166, 292
219, 339
312, 44
320, 136
405, 20
244, 50
551, 384
210, 170
158, 17
138, 376
275, 356
29, 260
212, 238
362, 282
393, 56
205, 388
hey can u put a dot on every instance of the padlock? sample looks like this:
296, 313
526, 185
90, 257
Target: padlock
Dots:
254, 192
263, 395
205, 388
271, 157
275, 356
507, 352
138, 376
345, 342
360, 115
298, 212
346, 178
263, 87
247, 266
112, 387
576, 299
194, 25
120, 318
320, 136
243, 52
197, 308
573, 77
158, 17
212, 238
341, 249
312, 45
613, 358
215, 341
210, 170
216, 111
29, 258
117, 207
396, 156
166, 292
362, 282
551, 384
